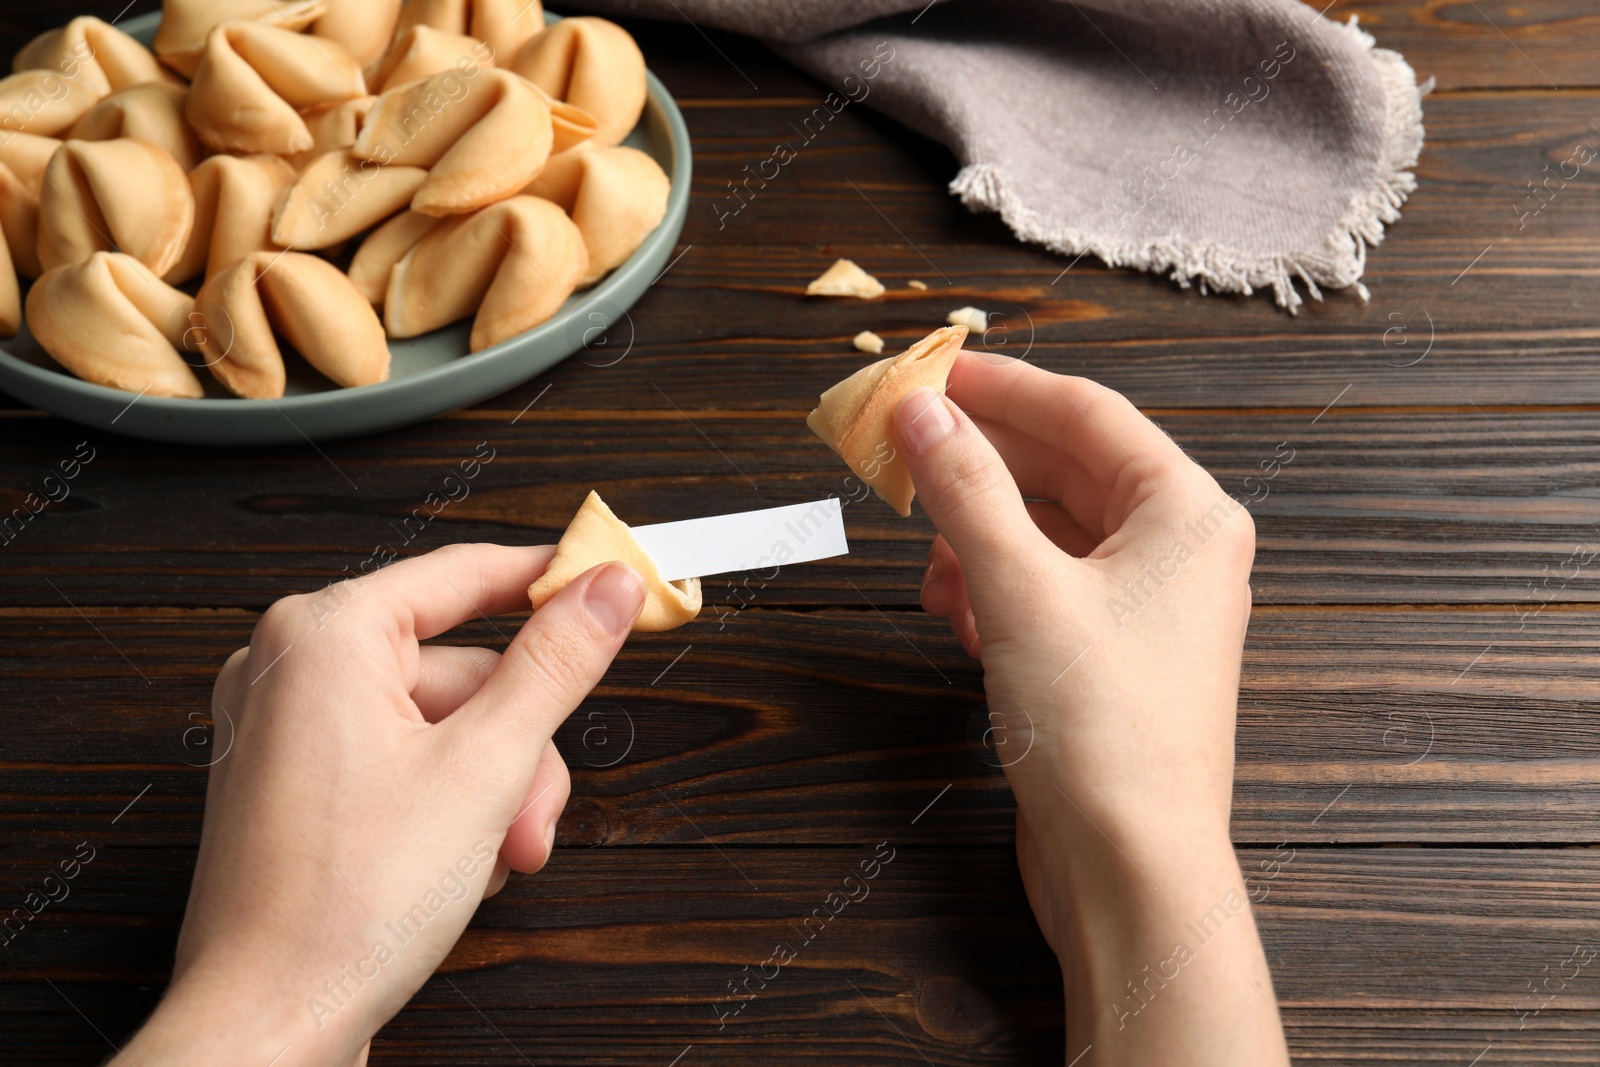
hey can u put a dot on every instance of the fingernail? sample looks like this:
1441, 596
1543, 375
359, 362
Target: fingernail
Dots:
614, 597
925, 419
935, 568
550, 838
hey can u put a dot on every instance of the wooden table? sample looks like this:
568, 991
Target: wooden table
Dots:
1419, 757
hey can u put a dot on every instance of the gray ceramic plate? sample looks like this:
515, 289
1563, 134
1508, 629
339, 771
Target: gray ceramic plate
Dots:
430, 375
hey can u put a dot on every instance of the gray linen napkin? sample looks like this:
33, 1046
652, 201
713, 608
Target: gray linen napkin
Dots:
1239, 144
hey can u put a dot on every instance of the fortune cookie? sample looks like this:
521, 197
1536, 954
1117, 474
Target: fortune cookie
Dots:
593, 64
337, 196
374, 261
253, 79
365, 27
151, 112
108, 320
23, 159
185, 24
504, 25
110, 59
422, 50
616, 195
128, 195
306, 300
481, 142
63, 73
855, 416
233, 201
512, 264
596, 536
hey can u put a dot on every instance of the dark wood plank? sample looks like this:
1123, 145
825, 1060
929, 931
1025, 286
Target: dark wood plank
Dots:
837, 726
1481, 44
620, 955
1470, 505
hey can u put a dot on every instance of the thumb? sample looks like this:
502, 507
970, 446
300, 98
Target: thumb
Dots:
968, 492
555, 660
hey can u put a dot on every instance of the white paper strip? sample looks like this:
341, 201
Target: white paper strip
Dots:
747, 541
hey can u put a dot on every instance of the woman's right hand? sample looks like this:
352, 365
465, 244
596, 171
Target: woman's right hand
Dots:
1109, 613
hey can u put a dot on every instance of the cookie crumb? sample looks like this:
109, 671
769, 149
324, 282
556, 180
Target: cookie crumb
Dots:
916, 284
970, 317
869, 342
844, 278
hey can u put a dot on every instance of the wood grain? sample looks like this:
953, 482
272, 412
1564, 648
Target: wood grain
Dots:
1475, 44
1470, 505
833, 726
552, 969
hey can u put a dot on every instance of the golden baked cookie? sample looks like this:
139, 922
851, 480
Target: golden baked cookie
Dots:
254, 79
110, 321
596, 536
856, 416
508, 267
242, 310
127, 194
593, 63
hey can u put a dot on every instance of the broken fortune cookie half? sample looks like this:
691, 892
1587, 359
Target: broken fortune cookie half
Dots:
597, 536
855, 418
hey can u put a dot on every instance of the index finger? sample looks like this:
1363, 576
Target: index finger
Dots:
1097, 426
451, 585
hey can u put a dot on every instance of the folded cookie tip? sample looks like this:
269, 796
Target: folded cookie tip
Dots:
595, 536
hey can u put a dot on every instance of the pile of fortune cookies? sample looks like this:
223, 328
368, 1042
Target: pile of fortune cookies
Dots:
331, 174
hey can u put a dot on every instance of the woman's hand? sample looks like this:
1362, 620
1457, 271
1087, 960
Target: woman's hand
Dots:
376, 791
1109, 614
